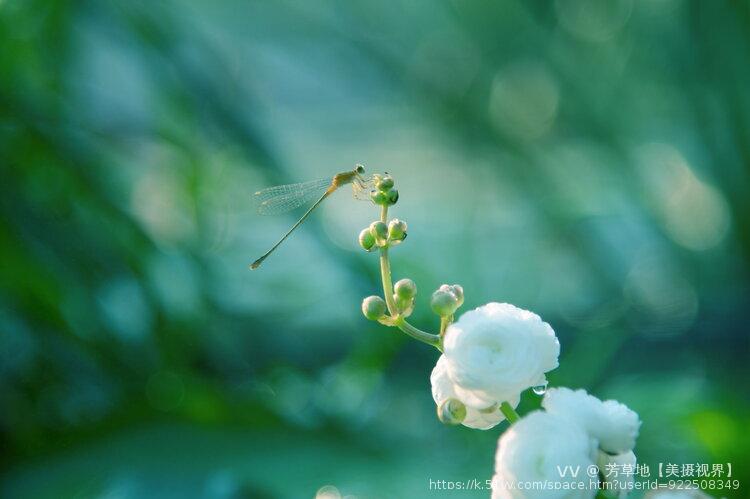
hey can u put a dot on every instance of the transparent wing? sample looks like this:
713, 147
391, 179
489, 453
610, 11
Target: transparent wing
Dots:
363, 187
282, 198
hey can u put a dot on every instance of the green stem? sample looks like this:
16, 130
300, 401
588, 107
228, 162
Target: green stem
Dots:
418, 334
510, 414
399, 322
385, 274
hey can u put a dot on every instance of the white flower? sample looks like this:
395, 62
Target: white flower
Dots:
613, 469
496, 351
541, 448
575, 432
610, 422
443, 389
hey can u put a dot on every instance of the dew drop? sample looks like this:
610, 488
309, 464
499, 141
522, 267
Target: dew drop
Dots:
539, 389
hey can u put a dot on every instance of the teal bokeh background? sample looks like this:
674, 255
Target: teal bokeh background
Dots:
585, 160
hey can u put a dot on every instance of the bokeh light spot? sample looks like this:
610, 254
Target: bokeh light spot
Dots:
664, 302
524, 100
328, 492
161, 206
593, 20
716, 430
694, 214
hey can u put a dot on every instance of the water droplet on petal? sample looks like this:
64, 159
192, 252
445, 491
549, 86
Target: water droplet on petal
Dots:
539, 389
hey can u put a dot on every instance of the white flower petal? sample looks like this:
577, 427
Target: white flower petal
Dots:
613, 424
497, 351
481, 414
538, 448
614, 470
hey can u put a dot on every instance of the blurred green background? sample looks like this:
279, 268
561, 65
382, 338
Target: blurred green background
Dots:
586, 160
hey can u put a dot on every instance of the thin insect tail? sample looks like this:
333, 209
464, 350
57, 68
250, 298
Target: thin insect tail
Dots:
257, 262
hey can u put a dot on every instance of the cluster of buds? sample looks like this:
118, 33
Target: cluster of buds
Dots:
384, 193
383, 235
446, 300
404, 292
380, 235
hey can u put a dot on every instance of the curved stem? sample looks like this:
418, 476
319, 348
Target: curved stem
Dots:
510, 414
400, 322
418, 334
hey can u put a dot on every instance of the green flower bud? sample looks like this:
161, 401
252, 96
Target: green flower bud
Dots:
396, 230
451, 412
405, 306
458, 292
373, 307
379, 231
444, 301
392, 196
405, 288
366, 239
384, 183
456, 289
379, 197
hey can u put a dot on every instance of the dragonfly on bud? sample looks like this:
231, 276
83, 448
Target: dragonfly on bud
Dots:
284, 198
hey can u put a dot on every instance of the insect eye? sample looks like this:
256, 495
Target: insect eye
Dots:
360, 169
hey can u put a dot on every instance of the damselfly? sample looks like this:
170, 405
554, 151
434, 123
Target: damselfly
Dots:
283, 198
